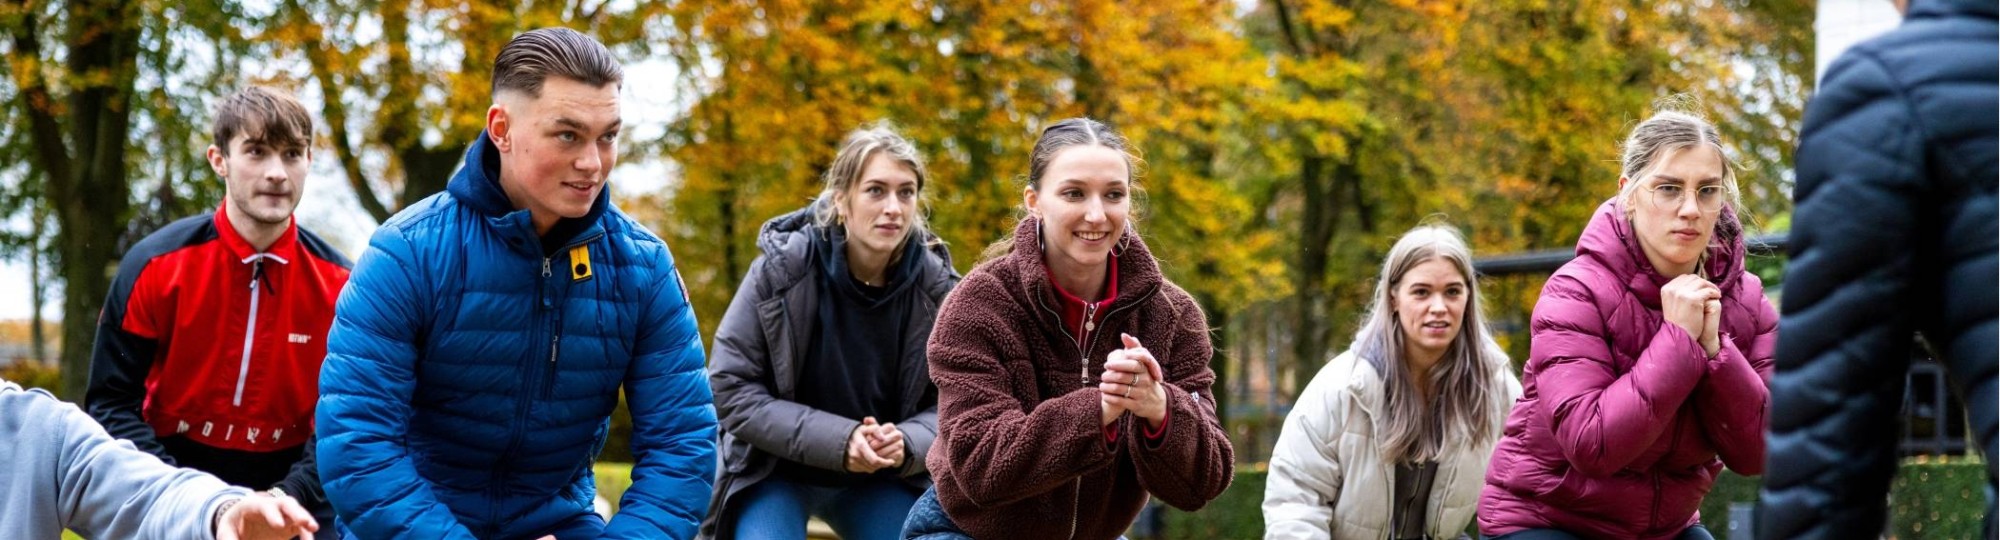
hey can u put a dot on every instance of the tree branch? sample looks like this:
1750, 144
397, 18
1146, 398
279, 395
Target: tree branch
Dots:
45, 132
1285, 28
336, 115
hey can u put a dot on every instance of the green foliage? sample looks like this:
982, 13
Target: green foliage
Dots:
1729, 488
1938, 500
34, 374
613, 478
1238, 513
1930, 499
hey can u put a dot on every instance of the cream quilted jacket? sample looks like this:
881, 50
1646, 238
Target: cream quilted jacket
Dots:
1328, 480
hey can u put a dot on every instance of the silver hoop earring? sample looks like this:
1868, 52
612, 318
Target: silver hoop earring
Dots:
1124, 240
1040, 243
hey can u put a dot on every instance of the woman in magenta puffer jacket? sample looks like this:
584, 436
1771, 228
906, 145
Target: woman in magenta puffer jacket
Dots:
1650, 358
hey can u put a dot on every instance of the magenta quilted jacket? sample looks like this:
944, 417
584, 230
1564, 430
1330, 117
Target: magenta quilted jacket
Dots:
1624, 421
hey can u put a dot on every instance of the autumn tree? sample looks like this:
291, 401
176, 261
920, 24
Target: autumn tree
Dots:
99, 108
1502, 116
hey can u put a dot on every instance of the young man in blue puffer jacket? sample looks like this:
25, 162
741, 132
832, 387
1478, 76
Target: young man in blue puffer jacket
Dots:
480, 346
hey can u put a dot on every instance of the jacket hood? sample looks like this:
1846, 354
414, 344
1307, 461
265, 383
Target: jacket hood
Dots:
477, 186
902, 273
787, 243
1609, 238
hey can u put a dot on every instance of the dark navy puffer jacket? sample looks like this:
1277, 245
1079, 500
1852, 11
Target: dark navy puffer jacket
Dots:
469, 376
1894, 233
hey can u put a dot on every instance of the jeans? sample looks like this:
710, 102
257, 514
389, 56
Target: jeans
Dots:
1694, 532
928, 522
776, 509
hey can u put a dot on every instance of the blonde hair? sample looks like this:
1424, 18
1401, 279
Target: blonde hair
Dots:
1672, 128
856, 149
1411, 430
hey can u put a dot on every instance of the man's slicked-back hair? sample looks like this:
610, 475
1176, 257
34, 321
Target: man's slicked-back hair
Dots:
528, 61
268, 115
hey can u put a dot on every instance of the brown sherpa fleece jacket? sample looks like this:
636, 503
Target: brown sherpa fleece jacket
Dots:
1020, 451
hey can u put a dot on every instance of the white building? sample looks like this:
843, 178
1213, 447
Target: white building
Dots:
1842, 23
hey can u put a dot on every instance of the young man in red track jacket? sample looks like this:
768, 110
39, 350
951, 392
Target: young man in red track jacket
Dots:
209, 345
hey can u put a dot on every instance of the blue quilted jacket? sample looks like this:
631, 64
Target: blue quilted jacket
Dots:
470, 373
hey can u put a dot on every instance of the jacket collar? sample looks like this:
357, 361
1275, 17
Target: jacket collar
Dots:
477, 186
1936, 8
1364, 380
1138, 272
285, 248
786, 243
1609, 238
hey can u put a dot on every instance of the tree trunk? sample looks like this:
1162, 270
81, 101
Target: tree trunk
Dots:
1316, 222
87, 183
37, 291
427, 171
732, 275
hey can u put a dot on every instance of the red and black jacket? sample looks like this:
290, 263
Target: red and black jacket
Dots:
208, 352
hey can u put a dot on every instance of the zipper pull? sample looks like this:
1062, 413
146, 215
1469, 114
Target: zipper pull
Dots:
256, 273
1083, 370
545, 267
552, 348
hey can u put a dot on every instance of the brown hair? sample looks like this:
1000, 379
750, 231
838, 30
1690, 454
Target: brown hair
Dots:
1061, 136
265, 114
527, 61
855, 150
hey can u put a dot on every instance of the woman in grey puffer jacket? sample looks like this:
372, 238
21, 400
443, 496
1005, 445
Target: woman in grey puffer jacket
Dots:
820, 378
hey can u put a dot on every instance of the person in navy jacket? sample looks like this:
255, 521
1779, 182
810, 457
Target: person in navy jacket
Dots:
481, 345
1893, 236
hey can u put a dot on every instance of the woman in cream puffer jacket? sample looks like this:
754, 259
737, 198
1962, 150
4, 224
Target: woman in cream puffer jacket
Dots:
1330, 474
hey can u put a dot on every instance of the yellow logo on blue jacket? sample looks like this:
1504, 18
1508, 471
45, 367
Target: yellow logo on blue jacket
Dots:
579, 263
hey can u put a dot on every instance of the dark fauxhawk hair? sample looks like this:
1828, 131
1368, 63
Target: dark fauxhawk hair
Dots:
527, 61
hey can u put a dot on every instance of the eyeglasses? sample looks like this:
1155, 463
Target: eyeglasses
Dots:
1670, 196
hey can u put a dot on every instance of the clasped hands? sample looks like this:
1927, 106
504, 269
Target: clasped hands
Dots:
874, 446
1132, 383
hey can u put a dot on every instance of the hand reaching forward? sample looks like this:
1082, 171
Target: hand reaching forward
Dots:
261, 517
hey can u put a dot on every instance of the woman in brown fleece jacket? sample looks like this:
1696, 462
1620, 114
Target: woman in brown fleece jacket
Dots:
1049, 358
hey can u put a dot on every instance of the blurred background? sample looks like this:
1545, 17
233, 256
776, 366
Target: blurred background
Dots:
1287, 142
